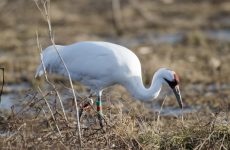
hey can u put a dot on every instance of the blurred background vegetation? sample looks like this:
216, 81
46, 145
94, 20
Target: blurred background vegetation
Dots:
191, 37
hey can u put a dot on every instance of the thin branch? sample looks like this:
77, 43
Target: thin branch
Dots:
52, 115
39, 8
47, 80
117, 16
3, 82
136, 4
47, 118
47, 14
15, 133
158, 117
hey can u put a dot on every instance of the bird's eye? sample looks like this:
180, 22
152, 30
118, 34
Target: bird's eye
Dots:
173, 83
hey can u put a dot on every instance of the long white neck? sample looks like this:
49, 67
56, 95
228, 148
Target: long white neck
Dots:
135, 86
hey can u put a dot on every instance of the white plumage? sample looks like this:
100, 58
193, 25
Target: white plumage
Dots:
95, 64
102, 64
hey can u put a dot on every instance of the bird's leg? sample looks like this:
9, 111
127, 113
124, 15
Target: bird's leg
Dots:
99, 110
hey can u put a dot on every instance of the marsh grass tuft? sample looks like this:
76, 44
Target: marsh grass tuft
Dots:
33, 126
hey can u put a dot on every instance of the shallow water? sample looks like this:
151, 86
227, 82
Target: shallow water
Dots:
176, 112
8, 100
12, 96
220, 35
155, 38
150, 38
201, 88
15, 88
12, 93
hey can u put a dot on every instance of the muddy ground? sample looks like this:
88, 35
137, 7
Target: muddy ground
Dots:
191, 37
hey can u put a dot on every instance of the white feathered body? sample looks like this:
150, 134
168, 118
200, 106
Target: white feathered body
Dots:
94, 64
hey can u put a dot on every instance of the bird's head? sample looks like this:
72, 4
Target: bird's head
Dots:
172, 79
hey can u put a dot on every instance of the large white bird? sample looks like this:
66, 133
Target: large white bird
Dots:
102, 64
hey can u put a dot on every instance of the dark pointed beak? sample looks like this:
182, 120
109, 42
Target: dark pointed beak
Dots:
176, 91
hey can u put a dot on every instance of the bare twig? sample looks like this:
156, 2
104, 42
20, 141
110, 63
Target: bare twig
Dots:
222, 144
3, 82
199, 147
47, 118
46, 5
19, 128
117, 16
158, 117
51, 112
47, 80
144, 13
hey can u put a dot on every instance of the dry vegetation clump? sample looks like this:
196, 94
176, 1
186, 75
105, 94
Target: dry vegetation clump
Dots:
31, 126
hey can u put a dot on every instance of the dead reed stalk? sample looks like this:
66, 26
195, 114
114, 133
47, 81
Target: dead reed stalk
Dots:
46, 14
51, 112
3, 82
47, 80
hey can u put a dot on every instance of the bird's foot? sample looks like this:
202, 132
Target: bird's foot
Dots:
102, 121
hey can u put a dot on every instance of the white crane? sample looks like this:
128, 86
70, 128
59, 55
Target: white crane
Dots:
102, 64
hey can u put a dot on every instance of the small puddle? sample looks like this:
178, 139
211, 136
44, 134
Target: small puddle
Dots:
201, 88
12, 94
224, 20
167, 38
169, 111
149, 38
4, 134
7, 101
220, 35
13, 88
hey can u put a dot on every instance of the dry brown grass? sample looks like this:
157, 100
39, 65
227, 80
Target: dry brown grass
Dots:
33, 127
